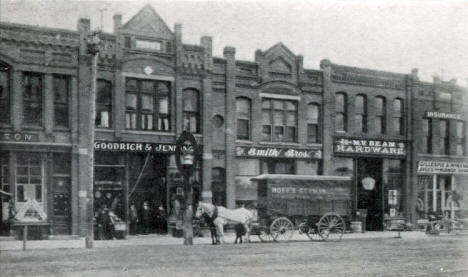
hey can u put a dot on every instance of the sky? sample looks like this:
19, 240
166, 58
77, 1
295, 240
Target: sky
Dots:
394, 36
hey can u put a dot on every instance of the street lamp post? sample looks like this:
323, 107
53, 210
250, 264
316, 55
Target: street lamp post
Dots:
93, 43
186, 159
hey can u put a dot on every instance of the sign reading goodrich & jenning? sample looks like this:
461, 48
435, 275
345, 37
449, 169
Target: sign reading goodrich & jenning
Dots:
369, 147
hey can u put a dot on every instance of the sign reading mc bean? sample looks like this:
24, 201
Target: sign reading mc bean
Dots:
369, 147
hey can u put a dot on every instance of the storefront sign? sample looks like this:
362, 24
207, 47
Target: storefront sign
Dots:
134, 146
25, 137
441, 167
274, 152
370, 147
443, 115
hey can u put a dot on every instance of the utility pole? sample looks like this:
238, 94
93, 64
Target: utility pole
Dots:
93, 43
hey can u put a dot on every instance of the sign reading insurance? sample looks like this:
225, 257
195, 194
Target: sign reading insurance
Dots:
369, 147
274, 152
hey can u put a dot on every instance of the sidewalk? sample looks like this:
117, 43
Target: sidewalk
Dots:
154, 239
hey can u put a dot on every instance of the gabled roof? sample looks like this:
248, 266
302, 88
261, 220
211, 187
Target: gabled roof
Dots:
147, 22
279, 47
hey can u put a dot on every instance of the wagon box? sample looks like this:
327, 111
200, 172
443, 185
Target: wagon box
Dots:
307, 200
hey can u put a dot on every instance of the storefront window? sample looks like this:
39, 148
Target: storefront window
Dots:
147, 105
278, 166
435, 193
4, 93
61, 97
32, 99
29, 177
246, 190
104, 104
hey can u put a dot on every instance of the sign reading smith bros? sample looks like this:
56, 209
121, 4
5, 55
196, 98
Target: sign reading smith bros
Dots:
369, 147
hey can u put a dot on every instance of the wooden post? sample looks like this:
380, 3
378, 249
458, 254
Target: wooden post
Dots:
25, 236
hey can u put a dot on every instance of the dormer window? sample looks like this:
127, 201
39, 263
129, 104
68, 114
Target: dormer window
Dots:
148, 44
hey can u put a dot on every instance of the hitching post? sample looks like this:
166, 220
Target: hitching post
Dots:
93, 43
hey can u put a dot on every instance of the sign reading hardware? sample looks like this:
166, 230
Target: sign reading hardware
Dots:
443, 115
442, 167
274, 152
14, 136
370, 147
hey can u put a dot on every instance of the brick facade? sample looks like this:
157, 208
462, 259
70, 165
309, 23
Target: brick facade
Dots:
145, 48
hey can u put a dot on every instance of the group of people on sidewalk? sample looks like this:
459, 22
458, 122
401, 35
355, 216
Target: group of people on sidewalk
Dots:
147, 219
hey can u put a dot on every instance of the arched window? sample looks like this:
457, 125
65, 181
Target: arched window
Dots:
398, 116
380, 114
341, 112
104, 104
191, 111
4, 93
243, 113
360, 116
218, 186
313, 123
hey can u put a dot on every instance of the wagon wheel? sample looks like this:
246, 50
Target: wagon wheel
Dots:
265, 235
282, 229
331, 227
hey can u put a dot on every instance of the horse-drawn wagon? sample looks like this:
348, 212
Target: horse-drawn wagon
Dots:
318, 206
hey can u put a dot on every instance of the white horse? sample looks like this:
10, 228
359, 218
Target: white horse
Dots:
222, 216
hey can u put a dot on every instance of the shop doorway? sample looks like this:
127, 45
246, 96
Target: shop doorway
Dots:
369, 191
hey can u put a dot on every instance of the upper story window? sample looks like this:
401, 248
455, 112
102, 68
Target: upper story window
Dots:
61, 98
361, 113
4, 94
444, 137
279, 120
461, 138
147, 105
104, 104
398, 116
148, 44
313, 123
243, 113
341, 112
380, 115
426, 135
32, 99
191, 111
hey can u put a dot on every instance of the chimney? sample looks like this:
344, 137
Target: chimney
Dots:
178, 32
84, 25
207, 43
325, 63
117, 22
414, 74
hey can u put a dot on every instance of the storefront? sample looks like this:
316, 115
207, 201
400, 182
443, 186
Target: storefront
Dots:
253, 161
37, 178
142, 180
442, 188
378, 168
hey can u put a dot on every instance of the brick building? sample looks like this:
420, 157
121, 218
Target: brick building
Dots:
270, 115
